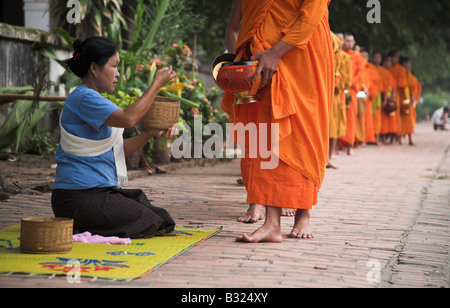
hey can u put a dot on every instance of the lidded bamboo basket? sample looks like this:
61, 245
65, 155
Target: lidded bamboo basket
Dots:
162, 115
46, 235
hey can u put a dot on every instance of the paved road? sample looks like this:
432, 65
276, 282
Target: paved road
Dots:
383, 220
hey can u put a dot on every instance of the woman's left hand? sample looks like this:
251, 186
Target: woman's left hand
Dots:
168, 134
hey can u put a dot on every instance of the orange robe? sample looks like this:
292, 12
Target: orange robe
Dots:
402, 93
391, 119
352, 109
299, 99
344, 85
385, 89
335, 114
373, 85
416, 91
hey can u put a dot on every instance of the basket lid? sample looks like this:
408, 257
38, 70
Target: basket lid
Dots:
45, 219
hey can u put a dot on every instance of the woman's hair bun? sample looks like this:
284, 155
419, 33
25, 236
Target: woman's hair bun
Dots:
77, 44
94, 49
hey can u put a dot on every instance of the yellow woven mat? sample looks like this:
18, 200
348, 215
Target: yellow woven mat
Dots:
121, 262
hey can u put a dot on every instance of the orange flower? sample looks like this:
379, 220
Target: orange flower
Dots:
158, 62
187, 51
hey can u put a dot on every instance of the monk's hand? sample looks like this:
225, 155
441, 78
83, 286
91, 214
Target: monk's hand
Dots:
268, 65
268, 62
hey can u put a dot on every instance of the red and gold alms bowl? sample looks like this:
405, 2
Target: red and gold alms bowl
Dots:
236, 78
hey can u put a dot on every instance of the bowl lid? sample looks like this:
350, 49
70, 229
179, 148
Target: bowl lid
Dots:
238, 63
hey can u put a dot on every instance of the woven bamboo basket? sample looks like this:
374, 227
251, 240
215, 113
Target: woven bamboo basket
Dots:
163, 114
45, 235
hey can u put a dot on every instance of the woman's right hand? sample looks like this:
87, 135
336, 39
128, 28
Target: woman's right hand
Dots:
133, 113
164, 75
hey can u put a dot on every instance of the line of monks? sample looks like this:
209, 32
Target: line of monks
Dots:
374, 100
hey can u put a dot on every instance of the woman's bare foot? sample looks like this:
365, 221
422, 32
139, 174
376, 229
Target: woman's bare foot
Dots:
269, 232
302, 227
254, 213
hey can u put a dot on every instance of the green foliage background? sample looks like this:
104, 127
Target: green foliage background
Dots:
416, 28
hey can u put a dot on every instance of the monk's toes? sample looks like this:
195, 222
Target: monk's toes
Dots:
301, 235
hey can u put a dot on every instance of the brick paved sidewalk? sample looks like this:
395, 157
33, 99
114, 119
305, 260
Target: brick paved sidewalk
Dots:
383, 220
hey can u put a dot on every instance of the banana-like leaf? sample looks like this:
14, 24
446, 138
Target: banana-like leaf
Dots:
20, 121
151, 74
65, 36
162, 7
14, 90
182, 100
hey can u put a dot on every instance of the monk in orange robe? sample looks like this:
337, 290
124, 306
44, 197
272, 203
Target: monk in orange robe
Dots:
352, 109
416, 91
389, 121
345, 83
291, 39
380, 116
360, 136
372, 81
403, 93
339, 110
335, 114
377, 104
412, 81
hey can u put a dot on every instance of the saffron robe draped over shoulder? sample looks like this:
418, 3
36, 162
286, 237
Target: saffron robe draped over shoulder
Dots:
299, 99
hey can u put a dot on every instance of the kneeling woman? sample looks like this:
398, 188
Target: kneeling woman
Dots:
91, 156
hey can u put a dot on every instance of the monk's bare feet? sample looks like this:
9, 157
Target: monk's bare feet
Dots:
254, 213
302, 227
350, 151
287, 212
269, 232
240, 181
331, 166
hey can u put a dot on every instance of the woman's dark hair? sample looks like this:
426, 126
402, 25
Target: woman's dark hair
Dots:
94, 49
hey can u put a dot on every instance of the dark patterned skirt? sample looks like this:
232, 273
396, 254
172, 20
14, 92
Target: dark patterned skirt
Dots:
125, 213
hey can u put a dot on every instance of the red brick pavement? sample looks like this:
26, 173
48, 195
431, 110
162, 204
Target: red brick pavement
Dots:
382, 221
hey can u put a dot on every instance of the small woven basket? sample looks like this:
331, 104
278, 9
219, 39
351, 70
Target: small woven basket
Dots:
162, 115
45, 235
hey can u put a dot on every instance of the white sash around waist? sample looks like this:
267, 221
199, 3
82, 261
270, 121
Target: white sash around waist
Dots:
83, 147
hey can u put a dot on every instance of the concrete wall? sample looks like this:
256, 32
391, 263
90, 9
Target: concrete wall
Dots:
18, 61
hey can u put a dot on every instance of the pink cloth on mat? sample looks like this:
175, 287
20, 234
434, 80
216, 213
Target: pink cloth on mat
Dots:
87, 237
